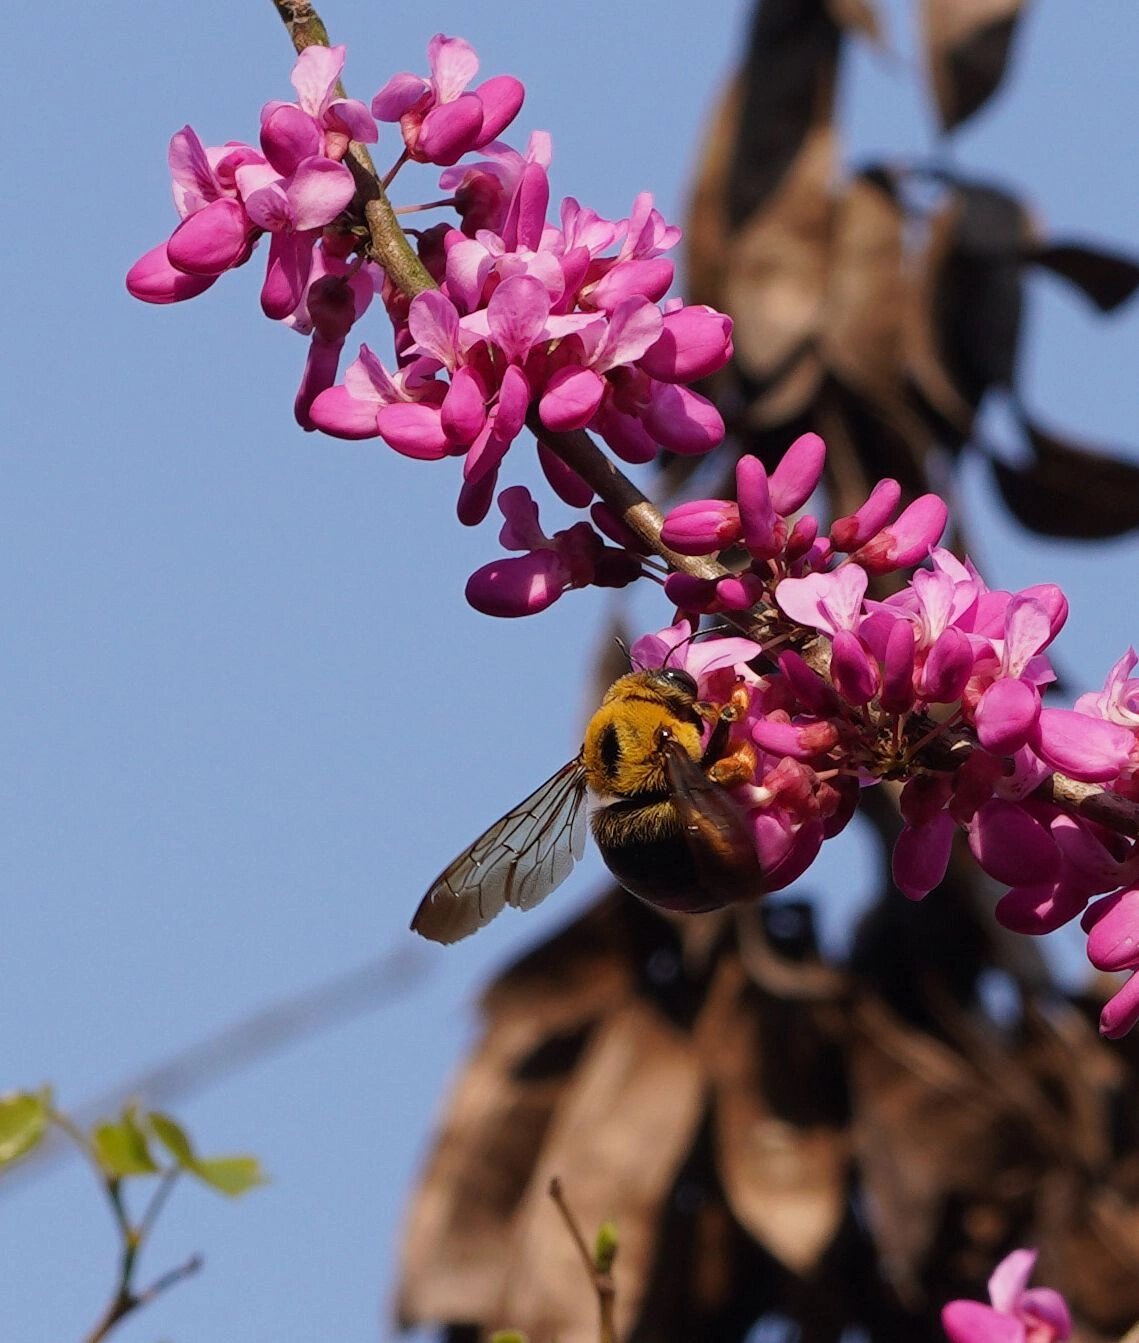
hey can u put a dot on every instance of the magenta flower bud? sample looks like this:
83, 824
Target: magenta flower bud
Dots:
449, 130
908, 539
784, 853
802, 538
650, 278
211, 240
793, 481
761, 529
520, 585
332, 307
1011, 845
502, 97
739, 592
702, 527
1006, 714
789, 739
858, 527
154, 280
921, 856
1039, 909
413, 429
1113, 942
948, 666
852, 671
1085, 748
897, 693
691, 594
1121, 1012
625, 434
682, 420
571, 398
695, 342
290, 262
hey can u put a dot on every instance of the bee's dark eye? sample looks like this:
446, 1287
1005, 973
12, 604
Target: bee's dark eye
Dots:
680, 679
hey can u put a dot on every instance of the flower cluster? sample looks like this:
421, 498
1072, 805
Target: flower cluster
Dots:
939, 685
1017, 1314
556, 327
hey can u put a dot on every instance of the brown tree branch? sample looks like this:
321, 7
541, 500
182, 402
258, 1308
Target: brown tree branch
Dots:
600, 1278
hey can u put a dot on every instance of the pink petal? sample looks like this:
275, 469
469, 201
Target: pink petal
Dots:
702, 526
211, 240
1048, 1309
632, 328
571, 398
857, 528
475, 498
947, 667
1011, 845
399, 95
521, 529
288, 137
971, 1322
517, 312
897, 693
350, 116
1009, 1279
794, 480
854, 675
526, 215
625, 434
318, 376
1028, 628
434, 324
694, 342
414, 430
908, 539
760, 526
1035, 910
683, 421
290, 261
518, 586
453, 65
1121, 1012
651, 279
921, 856
1113, 942
800, 742
1006, 715
194, 182
449, 130
565, 482
810, 690
315, 71
1083, 747
154, 280
464, 411
318, 191
339, 413
690, 594
502, 98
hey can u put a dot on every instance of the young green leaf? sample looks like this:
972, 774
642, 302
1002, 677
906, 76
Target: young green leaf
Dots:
231, 1175
174, 1138
23, 1121
508, 1336
122, 1148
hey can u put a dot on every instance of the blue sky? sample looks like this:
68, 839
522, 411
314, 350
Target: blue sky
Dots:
247, 713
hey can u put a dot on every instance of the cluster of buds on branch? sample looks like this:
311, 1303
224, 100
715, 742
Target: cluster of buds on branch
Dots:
505, 321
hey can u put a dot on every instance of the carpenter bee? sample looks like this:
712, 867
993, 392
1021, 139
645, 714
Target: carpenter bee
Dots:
663, 820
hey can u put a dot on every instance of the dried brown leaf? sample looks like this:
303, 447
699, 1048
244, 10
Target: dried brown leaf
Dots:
785, 1179
616, 1143
1108, 279
967, 46
1070, 489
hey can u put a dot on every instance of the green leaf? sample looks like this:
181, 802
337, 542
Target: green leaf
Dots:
231, 1175
174, 1138
23, 1122
122, 1148
508, 1336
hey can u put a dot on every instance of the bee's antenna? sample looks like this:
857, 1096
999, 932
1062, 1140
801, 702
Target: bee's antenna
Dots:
624, 647
714, 629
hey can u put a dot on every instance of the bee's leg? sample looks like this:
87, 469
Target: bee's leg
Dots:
735, 768
722, 716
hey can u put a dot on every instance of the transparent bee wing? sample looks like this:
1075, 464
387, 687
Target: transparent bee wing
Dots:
518, 861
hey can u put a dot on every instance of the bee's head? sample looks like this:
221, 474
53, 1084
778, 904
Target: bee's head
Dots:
673, 684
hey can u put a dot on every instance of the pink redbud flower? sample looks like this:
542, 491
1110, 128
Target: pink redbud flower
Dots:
351, 409
798, 473
907, 540
1112, 925
695, 342
858, 527
439, 119
526, 584
702, 526
1018, 1313
341, 120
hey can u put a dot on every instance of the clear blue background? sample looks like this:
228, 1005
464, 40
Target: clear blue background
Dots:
246, 712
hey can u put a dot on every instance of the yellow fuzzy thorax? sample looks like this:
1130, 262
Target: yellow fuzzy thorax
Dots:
622, 751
